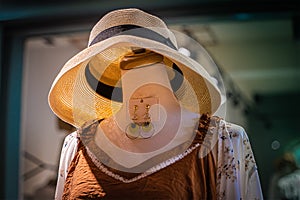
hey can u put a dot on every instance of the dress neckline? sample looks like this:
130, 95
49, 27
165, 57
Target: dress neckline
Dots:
104, 163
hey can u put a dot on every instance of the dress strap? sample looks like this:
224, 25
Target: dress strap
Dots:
203, 127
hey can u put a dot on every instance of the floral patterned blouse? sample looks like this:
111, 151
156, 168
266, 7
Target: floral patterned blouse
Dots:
234, 171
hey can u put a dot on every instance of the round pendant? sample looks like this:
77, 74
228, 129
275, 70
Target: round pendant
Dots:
147, 130
132, 131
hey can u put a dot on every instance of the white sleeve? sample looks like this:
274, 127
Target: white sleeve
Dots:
68, 152
248, 171
237, 176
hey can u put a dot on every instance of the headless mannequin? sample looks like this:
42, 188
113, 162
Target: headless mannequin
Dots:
172, 124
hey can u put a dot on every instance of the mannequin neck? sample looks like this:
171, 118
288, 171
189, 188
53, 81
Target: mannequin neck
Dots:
149, 81
152, 85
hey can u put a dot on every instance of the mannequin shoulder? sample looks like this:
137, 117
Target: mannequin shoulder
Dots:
236, 130
228, 129
70, 141
71, 136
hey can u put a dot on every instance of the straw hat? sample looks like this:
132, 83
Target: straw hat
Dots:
88, 86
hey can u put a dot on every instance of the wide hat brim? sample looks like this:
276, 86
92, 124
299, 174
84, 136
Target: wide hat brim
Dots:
75, 102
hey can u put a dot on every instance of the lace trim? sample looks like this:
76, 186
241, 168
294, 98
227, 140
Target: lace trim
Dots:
87, 131
144, 174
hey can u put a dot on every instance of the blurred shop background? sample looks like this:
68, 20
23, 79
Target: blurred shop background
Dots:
255, 43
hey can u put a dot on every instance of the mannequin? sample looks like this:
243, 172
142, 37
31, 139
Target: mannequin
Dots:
172, 124
159, 141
